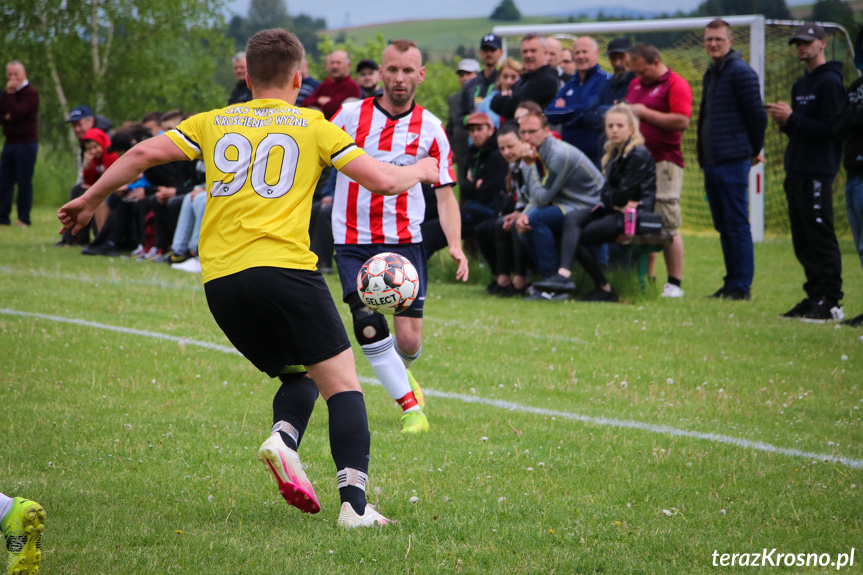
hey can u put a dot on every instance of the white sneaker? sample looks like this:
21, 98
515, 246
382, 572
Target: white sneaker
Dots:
293, 484
147, 255
671, 290
138, 251
349, 519
191, 265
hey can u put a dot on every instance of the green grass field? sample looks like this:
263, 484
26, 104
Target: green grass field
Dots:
566, 437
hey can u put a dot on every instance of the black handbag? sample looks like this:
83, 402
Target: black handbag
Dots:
648, 224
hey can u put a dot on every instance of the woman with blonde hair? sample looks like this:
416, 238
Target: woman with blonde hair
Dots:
630, 183
507, 75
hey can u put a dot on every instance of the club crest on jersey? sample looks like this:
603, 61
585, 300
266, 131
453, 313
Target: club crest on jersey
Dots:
412, 137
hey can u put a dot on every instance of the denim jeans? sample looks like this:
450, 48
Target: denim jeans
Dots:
854, 205
727, 187
545, 224
17, 162
189, 225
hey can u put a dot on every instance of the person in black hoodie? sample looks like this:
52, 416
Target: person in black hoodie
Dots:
538, 82
484, 187
811, 164
849, 127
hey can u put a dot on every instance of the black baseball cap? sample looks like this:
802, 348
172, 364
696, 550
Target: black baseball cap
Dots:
367, 63
808, 32
619, 46
491, 41
79, 113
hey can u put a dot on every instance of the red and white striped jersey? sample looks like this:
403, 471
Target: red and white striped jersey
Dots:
361, 217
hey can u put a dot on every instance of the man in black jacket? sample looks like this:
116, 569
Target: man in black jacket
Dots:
538, 82
731, 127
849, 127
811, 164
242, 92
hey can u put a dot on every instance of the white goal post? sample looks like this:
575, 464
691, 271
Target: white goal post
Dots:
756, 25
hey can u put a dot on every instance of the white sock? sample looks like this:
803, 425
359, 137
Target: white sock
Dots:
5, 505
408, 360
388, 366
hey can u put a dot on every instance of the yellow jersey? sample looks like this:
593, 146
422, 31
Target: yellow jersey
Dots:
263, 159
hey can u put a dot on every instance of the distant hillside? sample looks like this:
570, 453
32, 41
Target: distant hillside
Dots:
593, 12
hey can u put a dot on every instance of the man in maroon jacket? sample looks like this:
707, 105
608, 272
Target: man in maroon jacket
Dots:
338, 87
19, 114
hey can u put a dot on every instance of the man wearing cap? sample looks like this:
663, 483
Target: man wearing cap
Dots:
338, 87
369, 78
538, 82
483, 189
478, 88
811, 164
82, 119
456, 131
242, 92
572, 107
731, 125
614, 91
19, 114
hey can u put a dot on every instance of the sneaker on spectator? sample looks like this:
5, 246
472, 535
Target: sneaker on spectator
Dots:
540, 295
512, 291
178, 258
192, 265
138, 251
104, 249
148, 254
164, 258
854, 321
556, 283
824, 311
493, 288
671, 290
600, 295
718, 294
799, 310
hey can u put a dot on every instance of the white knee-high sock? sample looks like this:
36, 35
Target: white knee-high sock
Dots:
6, 504
388, 366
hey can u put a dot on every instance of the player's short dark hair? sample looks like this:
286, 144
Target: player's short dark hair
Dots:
403, 45
508, 127
272, 57
646, 52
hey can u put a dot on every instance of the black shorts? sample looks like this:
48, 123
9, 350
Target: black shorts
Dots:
278, 317
351, 257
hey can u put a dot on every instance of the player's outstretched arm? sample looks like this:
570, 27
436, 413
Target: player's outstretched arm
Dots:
450, 222
153, 152
387, 179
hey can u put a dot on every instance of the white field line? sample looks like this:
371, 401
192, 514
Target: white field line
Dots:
498, 403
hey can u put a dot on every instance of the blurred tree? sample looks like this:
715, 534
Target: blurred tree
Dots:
506, 11
774, 9
835, 11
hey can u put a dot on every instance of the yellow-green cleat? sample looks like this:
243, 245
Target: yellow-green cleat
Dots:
415, 422
418, 391
23, 527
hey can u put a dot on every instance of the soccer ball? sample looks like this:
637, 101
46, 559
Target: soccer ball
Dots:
388, 283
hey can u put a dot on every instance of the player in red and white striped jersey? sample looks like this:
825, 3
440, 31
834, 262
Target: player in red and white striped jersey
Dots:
394, 129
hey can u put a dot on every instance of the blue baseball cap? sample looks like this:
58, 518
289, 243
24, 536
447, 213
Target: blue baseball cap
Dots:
79, 113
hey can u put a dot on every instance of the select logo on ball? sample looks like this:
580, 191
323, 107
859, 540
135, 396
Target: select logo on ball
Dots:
388, 283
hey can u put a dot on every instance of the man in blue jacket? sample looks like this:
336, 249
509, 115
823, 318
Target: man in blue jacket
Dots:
731, 126
811, 164
573, 106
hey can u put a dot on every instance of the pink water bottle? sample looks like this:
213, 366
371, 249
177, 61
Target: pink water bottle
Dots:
629, 222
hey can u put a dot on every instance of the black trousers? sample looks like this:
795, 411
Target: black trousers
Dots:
588, 227
810, 213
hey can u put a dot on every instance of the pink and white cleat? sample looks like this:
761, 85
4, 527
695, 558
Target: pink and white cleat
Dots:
293, 484
348, 517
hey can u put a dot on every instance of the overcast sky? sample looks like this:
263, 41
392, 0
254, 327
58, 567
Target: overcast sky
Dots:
342, 13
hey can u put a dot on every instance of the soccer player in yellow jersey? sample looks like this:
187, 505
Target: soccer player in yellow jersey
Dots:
263, 159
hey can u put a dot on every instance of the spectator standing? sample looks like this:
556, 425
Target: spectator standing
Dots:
573, 106
338, 87
393, 128
662, 100
153, 122
811, 163
614, 91
478, 88
19, 114
507, 76
456, 131
242, 92
309, 84
369, 78
849, 127
731, 125
571, 182
567, 65
538, 83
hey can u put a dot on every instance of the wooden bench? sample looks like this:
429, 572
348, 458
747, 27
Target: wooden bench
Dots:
641, 246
